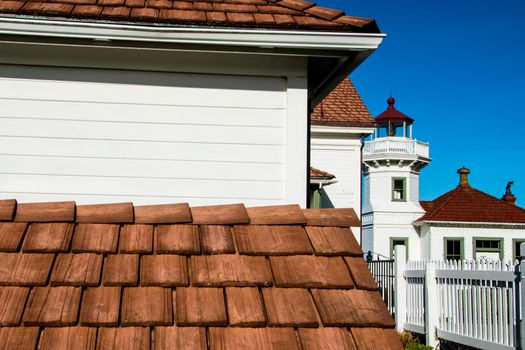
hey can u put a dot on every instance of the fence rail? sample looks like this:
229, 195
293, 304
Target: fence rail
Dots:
475, 303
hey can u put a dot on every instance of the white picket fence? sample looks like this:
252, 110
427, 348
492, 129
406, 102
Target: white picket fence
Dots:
475, 303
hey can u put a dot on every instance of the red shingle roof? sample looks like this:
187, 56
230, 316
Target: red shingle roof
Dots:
319, 174
392, 114
467, 204
342, 107
223, 13
171, 276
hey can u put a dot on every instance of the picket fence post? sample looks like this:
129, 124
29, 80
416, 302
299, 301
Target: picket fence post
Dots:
400, 287
431, 305
522, 297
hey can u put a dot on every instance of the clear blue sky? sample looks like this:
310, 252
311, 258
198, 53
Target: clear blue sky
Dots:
457, 68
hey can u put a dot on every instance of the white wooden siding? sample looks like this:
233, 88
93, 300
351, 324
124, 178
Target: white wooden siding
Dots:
106, 135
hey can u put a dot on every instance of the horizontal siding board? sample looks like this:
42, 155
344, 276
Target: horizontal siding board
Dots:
212, 152
142, 132
142, 168
134, 113
179, 89
140, 186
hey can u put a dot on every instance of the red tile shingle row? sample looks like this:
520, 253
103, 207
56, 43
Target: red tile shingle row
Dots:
247, 13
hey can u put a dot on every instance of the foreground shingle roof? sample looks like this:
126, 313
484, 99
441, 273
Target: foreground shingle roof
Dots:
170, 276
342, 107
230, 13
467, 204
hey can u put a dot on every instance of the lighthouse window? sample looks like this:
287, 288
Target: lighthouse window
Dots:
399, 189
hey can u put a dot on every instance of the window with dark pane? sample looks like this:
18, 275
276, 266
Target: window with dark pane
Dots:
453, 249
398, 189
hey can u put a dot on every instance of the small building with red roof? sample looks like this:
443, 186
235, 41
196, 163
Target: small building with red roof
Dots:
466, 223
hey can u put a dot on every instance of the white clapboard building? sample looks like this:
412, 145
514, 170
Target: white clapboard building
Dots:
109, 103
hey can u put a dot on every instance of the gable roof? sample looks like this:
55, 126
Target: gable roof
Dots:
218, 277
272, 14
342, 107
467, 204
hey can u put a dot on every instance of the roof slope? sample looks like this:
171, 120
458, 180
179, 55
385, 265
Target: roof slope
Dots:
467, 204
342, 107
320, 174
289, 14
221, 277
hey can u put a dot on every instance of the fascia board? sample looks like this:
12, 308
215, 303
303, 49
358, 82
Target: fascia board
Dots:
30, 26
468, 223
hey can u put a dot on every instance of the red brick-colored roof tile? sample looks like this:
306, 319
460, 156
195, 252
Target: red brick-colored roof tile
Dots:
310, 272
320, 174
95, 238
86, 11
253, 338
289, 307
52, 306
136, 239
147, 306
66, 338
262, 275
245, 307
230, 270
342, 107
272, 240
180, 338
163, 270
100, 306
333, 241
121, 270
376, 338
216, 16
45, 212
76, 270
18, 338
12, 302
360, 273
341, 217
276, 215
357, 308
217, 239
11, 234
163, 214
11, 6
129, 338
328, 338
48, 237
200, 306
19, 269
7, 206
178, 239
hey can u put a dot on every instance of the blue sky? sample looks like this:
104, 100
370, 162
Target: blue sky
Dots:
458, 69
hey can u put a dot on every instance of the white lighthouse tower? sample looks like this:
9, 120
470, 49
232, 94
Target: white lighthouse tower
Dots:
392, 162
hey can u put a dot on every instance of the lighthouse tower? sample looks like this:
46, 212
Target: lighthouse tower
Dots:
392, 162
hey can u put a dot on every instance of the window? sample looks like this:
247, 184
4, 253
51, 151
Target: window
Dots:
453, 248
516, 248
399, 189
394, 241
488, 248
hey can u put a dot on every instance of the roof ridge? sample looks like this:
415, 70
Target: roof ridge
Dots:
510, 205
456, 190
182, 213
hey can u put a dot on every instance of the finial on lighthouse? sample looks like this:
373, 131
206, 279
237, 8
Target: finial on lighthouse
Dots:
391, 102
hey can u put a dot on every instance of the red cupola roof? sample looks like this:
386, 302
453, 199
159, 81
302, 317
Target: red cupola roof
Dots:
392, 114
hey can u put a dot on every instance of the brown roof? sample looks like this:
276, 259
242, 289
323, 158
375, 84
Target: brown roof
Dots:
171, 276
467, 204
226, 13
342, 107
319, 174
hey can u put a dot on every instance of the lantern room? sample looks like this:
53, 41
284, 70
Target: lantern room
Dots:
393, 123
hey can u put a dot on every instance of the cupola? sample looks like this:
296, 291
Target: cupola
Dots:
393, 123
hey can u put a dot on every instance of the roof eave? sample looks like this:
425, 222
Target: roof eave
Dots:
202, 35
509, 225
